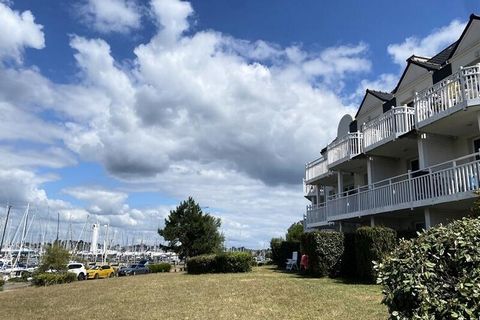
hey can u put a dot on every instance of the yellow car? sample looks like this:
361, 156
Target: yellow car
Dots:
100, 272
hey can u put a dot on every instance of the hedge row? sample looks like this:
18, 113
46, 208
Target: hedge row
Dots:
50, 278
227, 262
349, 255
282, 250
435, 276
325, 250
159, 267
372, 244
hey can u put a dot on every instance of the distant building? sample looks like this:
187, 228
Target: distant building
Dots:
409, 159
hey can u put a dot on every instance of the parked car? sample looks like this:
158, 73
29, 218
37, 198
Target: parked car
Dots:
104, 271
133, 270
78, 269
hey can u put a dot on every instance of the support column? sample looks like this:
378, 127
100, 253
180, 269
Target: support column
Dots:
369, 170
428, 221
372, 221
339, 182
340, 227
422, 152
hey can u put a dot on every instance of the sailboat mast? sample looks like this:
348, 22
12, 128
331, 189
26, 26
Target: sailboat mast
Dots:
5, 227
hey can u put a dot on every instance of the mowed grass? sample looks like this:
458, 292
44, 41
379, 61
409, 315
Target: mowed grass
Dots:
261, 294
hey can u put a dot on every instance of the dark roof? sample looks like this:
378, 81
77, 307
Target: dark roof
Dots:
442, 57
426, 64
384, 96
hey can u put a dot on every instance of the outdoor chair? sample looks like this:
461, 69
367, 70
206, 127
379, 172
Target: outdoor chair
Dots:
292, 263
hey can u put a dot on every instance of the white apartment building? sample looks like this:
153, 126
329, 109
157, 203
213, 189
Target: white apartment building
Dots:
410, 158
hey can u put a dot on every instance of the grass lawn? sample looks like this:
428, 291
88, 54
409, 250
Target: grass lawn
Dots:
261, 294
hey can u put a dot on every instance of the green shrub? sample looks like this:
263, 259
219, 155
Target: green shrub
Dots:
233, 262
201, 264
372, 244
50, 278
435, 276
324, 250
282, 250
160, 267
227, 262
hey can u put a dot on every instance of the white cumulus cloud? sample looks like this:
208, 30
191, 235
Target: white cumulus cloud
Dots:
107, 16
19, 31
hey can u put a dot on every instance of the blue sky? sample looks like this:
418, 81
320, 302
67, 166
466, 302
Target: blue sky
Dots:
118, 109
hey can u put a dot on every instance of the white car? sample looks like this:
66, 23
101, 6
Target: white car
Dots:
78, 269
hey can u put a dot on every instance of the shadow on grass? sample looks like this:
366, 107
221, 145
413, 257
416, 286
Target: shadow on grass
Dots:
339, 280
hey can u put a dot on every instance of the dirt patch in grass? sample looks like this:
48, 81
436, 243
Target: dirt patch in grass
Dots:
262, 294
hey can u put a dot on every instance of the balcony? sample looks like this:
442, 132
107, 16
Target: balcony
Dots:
315, 170
389, 126
316, 216
345, 149
450, 181
456, 92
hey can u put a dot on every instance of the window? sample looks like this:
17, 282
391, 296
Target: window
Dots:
414, 165
105, 267
476, 147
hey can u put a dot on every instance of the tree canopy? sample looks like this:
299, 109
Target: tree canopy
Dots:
294, 232
190, 232
55, 257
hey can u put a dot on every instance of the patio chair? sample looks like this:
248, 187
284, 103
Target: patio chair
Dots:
292, 263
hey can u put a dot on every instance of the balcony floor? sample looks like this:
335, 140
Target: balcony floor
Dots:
463, 120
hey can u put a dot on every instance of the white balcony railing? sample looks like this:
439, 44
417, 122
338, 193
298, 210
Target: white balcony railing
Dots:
345, 148
448, 95
445, 182
389, 126
316, 169
316, 214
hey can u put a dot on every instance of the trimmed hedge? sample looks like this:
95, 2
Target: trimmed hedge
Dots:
201, 264
227, 262
233, 262
159, 267
50, 278
324, 250
372, 244
435, 276
282, 250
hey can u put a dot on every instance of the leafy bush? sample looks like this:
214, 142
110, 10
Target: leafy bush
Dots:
227, 262
160, 267
55, 257
23, 278
201, 264
233, 262
324, 250
372, 244
2, 282
50, 278
282, 250
435, 276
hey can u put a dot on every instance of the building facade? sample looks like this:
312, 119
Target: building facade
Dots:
409, 159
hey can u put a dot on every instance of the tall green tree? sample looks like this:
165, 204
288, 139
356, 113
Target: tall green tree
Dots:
294, 233
55, 257
190, 232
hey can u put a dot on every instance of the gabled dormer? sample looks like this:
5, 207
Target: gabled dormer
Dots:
371, 106
416, 76
466, 51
